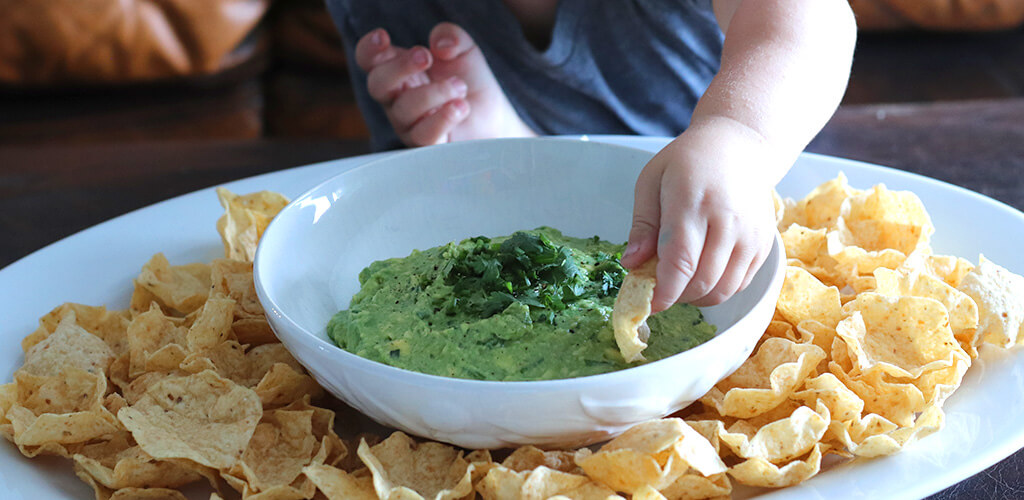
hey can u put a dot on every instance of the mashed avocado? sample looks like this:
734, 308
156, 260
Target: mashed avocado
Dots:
531, 306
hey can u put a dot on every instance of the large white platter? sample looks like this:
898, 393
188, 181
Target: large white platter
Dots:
95, 267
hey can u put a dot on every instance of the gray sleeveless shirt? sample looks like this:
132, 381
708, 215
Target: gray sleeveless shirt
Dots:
612, 66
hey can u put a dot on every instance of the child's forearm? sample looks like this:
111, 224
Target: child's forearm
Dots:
785, 65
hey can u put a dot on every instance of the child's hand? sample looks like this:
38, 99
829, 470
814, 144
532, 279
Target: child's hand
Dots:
443, 93
703, 205
421, 110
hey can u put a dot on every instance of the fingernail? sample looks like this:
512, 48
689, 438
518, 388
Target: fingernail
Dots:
631, 249
377, 36
419, 56
445, 42
458, 86
460, 107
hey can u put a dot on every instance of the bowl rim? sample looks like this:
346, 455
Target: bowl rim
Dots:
632, 373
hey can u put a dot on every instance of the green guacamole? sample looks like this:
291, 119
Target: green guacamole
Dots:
535, 305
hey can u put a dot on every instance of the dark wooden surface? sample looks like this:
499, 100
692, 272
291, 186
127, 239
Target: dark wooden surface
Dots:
302, 90
927, 67
975, 144
49, 192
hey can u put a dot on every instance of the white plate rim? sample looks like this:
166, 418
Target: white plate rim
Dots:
13, 465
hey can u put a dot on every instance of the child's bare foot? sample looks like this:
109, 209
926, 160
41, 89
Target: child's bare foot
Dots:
445, 93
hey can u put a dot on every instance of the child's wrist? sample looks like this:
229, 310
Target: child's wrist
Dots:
727, 137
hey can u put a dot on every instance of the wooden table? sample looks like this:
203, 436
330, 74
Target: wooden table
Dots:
49, 192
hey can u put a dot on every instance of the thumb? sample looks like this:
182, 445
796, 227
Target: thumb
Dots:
643, 235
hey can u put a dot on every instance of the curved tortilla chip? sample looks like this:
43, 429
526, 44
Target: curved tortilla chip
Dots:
632, 307
201, 417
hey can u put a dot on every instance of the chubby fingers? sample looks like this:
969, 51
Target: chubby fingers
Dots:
707, 270
436, 125
742, 265
681, 241
643, 234
750, 247
404, 71
449, 41
414, 104
722, 266
374, 48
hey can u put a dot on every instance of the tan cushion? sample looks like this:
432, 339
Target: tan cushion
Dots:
946, 15
44, 42
304, 34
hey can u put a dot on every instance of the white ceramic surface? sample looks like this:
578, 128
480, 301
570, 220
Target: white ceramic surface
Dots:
308, 263
982, 417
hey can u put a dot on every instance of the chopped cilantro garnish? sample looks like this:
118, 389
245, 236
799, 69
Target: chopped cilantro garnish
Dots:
528, 268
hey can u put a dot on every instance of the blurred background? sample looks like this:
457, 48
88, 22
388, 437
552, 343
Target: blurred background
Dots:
107, 106
95, 71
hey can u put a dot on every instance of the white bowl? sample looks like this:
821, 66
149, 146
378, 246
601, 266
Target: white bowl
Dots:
309, 258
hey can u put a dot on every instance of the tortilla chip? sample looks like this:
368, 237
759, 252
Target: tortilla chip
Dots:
948, 268
110, 326
253, 331
281, 446
632, 307
785, 210
68, 345
337, 484
181, 288
853, 261
814, 332
843, 404
881, 219
323, 430
760, 472
804, 244
820, 208
228, 359
961, 308
900, 336
779, 441
213, 325
264, 357
531, 457
53, 414
402, 469
249, 367
233, 279
651, 453
999, 295
63, 429
541, 483
695, 486
150, 332
884, 395
805, 297
244, 220
71, 390
118, 464
874, 436
766, 379
201, 417
282, 385
130, 493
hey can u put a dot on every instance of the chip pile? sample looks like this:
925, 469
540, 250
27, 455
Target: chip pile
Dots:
871, 334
